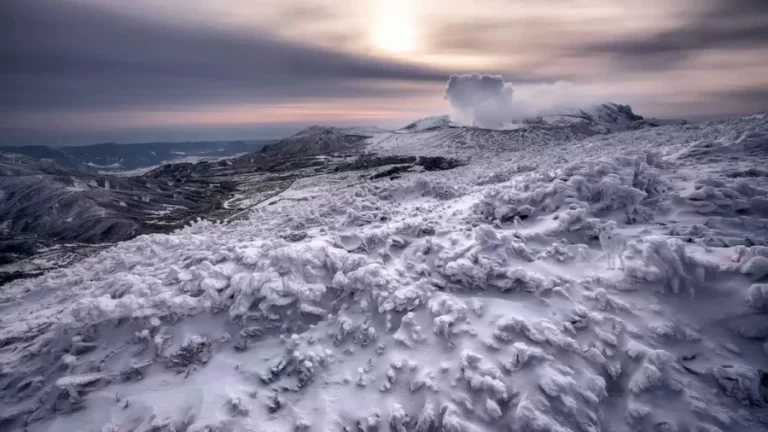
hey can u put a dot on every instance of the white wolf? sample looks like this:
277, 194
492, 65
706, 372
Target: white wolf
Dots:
613, 244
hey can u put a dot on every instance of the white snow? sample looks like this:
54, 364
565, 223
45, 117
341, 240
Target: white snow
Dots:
138, 172
115, 165
184, 158
474, 299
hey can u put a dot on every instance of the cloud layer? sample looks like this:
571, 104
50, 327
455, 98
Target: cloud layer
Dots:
61, 61
715, 24
62, 54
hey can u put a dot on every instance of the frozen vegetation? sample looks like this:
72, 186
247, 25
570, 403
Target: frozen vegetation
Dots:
617, 282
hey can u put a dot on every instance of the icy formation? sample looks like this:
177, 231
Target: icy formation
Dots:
481, 298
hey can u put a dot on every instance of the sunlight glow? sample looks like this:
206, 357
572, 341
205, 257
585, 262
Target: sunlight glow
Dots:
395, 35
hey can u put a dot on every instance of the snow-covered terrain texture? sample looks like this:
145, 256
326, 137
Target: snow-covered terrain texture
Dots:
475, 299
608, 117
38, 197
439, 136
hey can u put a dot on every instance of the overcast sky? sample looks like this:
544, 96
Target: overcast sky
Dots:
81, 71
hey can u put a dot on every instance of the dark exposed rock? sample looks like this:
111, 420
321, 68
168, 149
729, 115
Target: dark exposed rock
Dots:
277, 371
294, 236
252, 332
241, 345
438, 163
391, 171
195, 350
275, 404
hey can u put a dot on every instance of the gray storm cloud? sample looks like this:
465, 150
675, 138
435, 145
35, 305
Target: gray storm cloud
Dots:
488, 101
485, 100
64, 55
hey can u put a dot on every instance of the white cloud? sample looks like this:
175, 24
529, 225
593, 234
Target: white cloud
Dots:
490, 102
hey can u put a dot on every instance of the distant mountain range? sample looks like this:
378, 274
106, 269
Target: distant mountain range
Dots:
124, 157
316, 140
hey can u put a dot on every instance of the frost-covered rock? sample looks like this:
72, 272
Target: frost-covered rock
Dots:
667, 262
195, 350
757, 297
595, 186
743, 383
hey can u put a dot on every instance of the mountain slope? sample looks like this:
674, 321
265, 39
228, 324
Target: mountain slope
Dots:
316, 140
42, 198
610, 282
429, 123
43, 205
603, 118
435, 136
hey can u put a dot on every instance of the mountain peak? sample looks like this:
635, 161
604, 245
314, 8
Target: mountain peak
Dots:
613, 112
317, 130
605, 117
430, 123
315, 140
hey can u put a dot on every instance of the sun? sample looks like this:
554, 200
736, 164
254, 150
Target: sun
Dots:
395, 35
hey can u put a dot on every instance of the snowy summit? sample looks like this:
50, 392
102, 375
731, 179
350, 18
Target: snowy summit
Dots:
427, 123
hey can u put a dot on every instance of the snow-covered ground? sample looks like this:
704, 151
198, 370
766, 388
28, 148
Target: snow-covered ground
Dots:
611, 283
182, 158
